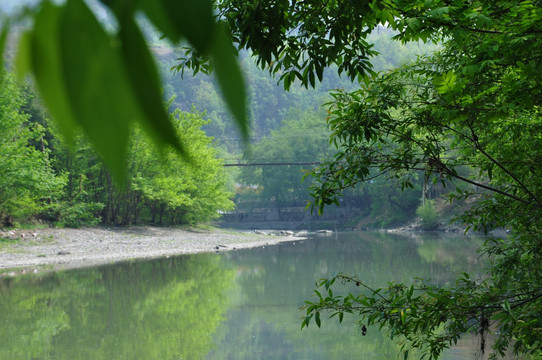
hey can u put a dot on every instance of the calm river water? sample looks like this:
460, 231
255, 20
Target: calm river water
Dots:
240, 305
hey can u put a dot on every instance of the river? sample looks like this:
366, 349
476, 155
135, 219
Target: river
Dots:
234, 305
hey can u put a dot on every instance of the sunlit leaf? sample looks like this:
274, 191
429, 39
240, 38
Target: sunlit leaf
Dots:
446, 82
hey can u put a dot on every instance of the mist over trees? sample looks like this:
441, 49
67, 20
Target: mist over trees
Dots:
87, 193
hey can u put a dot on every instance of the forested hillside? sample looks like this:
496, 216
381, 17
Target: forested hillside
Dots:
289, 127
71, 186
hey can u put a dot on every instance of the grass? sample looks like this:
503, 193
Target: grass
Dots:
198, 228
30, 225
6, 243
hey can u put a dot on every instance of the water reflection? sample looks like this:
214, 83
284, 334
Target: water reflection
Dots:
264, 322
236, 305
164, 309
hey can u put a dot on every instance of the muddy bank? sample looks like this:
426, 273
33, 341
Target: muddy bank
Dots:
54, 249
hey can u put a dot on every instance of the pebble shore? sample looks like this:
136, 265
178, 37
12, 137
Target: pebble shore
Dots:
55, 249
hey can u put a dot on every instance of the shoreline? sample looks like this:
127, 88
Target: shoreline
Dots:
46, 250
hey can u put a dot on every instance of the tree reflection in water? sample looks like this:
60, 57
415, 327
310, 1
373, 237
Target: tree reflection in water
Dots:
161, 309
235, 305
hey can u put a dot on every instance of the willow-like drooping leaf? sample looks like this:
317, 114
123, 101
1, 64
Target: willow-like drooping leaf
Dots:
97, 86
193, 20
230, 80
146, 84
104, 82
42, 48
190, 19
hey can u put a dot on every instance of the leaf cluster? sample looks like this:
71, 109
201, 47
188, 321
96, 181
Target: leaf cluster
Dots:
431, 318
96, 79
468, 113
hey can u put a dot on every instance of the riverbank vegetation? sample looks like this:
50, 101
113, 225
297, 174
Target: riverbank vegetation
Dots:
44, 179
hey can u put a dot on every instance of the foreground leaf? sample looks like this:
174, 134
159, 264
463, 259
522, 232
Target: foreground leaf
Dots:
146, 84
230, 80
96, 84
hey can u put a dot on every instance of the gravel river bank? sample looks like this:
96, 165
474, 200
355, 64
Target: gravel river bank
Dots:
55, 249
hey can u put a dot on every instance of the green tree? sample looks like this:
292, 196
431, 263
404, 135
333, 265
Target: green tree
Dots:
28, 183
301, 138
473, 103
81, 203
171, 187
428, 215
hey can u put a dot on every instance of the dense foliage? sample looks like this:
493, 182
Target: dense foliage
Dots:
85, 178
291, 152
301, 139
28, 181
471, 105
71, 55
43, 178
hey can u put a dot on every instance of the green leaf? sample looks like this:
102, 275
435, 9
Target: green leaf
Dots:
45, 58
319, 295
306, 321
506, 306
471, 69
413, 23
446, 82
312, 79
230, 79
439, 12
317, 319
191, 19
23, 59
194, 19
387, 16
146, 84
319, 72
158, 15
97, 87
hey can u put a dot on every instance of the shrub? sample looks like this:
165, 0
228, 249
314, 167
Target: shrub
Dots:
428, 215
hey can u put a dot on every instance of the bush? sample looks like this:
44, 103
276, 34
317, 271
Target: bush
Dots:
73, 215
428, 215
